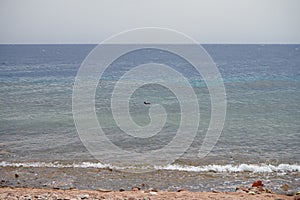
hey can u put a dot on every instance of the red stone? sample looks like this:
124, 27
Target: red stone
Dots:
257, 184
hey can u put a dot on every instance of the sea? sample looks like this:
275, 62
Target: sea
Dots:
260, 139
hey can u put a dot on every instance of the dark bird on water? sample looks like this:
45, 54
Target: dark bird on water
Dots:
147, 103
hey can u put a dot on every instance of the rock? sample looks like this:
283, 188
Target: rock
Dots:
2, 151
154, 190
285, 187
103, 190
297, 197
152, 193
261, 189
252, 192
182, 190
144, 185
151, 190
257, 183
41, 196
290, 193
242, 190
135, 188
27, 197
84, 196
16, 175
132, 198
268, 190
54, 197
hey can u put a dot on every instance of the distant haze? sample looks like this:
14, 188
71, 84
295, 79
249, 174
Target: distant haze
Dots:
207, 21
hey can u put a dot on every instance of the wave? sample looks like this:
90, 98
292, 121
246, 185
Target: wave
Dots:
263, 168
56, 165
254, 168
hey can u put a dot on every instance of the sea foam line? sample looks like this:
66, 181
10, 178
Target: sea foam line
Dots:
263, 168
56, 165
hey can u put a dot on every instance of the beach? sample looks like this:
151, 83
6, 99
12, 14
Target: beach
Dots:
33, 193
92, 183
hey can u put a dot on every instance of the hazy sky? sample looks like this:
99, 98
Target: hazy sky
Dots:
208, 21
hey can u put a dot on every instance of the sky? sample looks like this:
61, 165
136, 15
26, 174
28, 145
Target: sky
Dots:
92, 21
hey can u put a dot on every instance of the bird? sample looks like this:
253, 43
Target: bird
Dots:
147, 103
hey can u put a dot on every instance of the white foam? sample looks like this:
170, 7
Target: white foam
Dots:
263, 168
56, 165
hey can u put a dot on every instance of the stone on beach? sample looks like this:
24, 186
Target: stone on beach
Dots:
256, 188
135, 188
103, 190
182, 190
297, 197
257, 183
285, 187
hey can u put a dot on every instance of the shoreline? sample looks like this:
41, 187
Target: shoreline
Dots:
46, 193
92, 179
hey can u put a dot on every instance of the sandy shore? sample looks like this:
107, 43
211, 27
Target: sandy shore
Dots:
33, 193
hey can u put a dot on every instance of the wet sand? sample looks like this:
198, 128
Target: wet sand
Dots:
91, 183
163, 180
33, 193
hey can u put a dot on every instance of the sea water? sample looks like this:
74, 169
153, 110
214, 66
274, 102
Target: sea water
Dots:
260, 134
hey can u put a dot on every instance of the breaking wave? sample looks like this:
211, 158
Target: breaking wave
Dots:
254, 168
264, 168
56, 165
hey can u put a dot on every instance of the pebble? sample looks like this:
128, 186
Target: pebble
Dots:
290, 193
285, 187
182, 190
268, 191
104, 190
153, 189
135, 189
257, 183
152, 193
297, 197
241, 191
84, 196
